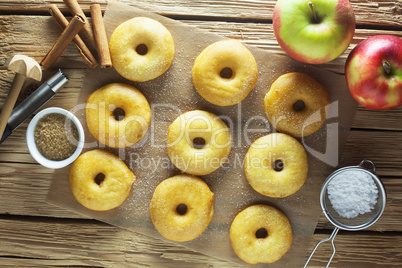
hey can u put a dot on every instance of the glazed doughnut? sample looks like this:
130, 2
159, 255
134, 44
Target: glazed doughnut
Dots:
141, 49
204, 128
99, 180
276, 165
260, 234
297, 104
103, 119
225, 73
182, 207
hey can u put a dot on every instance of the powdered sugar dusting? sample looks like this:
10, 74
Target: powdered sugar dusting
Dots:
352, 193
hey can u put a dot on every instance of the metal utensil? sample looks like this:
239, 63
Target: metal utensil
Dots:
361, 221
34, 101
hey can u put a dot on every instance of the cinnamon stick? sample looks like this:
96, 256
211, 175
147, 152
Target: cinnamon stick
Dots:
75, 25
82, 48
102, 45
75, 9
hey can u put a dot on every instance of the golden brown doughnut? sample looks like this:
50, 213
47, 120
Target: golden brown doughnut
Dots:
276, 165
101, 109
190, 127
94, 190
141, 49
260, 234
182, 207
225, 73
297, 104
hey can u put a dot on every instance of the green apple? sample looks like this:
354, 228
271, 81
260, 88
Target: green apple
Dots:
314, 31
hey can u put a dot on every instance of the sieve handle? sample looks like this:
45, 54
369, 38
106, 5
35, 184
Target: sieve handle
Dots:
332, 238
368, 161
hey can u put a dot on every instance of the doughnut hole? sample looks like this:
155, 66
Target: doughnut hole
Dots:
99, 179
299, 106
181, 209
278, 165
119, 114
226, 73
261, 233
198, 143
141, 49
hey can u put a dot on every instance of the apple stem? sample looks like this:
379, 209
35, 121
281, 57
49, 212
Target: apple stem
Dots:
313, 11
387, 67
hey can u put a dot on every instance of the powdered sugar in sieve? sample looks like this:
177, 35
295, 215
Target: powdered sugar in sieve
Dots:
352, 198
352, 193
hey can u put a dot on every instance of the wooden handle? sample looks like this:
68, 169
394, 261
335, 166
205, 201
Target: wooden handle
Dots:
10, 101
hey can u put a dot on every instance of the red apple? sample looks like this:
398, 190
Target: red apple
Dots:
374, 72
314, 31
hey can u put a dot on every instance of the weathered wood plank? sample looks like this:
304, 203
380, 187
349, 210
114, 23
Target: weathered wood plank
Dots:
381, 120
359, 249
378, 146
89, 243
376, 12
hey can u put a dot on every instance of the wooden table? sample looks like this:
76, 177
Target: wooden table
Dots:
35, 233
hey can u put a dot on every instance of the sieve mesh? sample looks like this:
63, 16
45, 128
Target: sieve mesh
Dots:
361, 221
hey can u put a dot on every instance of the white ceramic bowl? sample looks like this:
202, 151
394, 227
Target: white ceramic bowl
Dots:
33, 150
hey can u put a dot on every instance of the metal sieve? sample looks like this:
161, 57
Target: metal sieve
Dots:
361, 221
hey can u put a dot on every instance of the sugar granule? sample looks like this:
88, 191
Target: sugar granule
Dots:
352, 193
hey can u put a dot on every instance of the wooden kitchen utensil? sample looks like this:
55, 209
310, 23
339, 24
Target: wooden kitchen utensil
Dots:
24, 66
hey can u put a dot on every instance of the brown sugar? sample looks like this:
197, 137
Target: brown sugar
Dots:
56, 136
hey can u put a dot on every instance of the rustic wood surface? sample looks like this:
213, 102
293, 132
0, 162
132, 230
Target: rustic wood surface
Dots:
36, 234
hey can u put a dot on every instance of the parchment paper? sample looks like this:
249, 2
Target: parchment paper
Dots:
172, 94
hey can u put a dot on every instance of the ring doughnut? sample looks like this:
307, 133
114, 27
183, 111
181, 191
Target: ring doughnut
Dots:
297, 104
182, 207
225, 73
104, 111
141, 49
260, 234
99, 180
276, 165
201, 127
